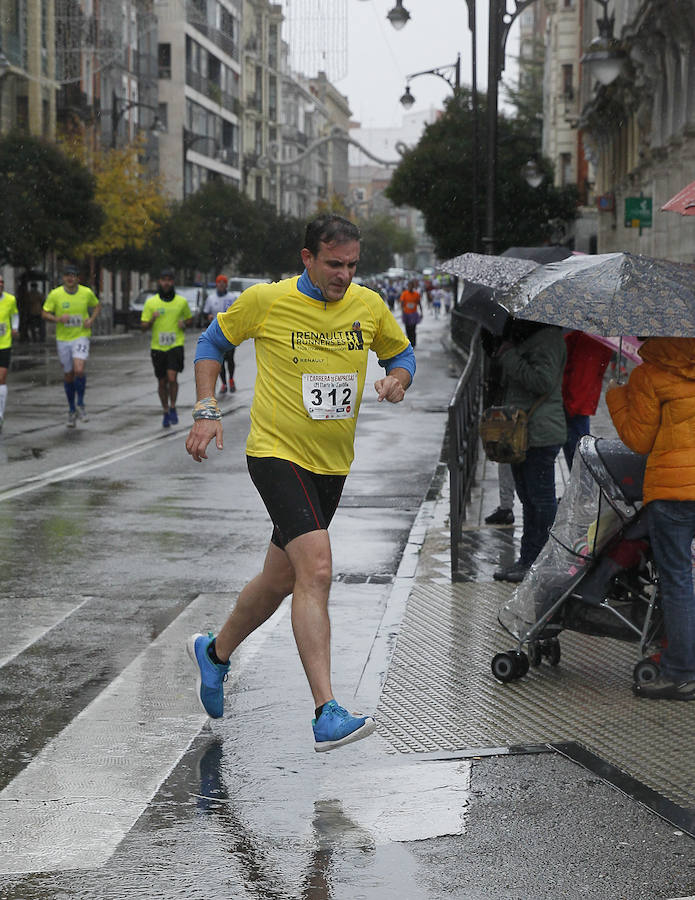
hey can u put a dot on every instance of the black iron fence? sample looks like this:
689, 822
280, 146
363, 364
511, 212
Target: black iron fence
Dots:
464, 416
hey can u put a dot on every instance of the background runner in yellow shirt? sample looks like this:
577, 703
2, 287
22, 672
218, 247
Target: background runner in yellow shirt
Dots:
73, 307
312, 336
9, 324
167, 314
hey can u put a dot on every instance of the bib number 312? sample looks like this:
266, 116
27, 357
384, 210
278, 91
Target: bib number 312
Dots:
330, 396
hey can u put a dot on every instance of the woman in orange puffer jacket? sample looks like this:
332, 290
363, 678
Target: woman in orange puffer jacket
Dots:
654, 414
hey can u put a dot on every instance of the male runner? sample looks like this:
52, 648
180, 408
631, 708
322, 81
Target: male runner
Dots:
73, 307
9, 328
216, 303
167, 314
312, 334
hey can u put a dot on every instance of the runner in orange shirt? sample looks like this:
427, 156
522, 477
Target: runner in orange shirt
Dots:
412, 310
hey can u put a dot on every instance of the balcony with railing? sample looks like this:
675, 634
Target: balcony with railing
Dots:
212, 91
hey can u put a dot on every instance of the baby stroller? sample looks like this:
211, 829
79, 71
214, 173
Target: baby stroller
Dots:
595, 573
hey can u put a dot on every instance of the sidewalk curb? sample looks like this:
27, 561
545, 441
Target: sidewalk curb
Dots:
375, 671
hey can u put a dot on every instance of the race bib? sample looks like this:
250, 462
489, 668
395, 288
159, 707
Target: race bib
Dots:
74, 322
330, 396
166, 338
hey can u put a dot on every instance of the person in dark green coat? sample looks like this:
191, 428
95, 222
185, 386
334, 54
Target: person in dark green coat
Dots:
532, 363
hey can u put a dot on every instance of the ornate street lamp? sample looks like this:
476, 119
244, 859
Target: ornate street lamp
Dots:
532, 174
605, 56
398, 16
118, 111
451, 74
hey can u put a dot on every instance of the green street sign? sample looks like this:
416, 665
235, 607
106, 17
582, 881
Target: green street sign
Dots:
638, 212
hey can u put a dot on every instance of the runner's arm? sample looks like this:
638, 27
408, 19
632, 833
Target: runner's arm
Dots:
400, 370
90, 319
212, 345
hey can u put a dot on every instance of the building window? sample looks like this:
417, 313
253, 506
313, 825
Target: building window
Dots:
566, 169
164, 60
568, 81
163, 113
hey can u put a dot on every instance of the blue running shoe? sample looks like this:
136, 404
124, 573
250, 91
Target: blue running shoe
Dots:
166, 421
211, 676
336, 727
173, 417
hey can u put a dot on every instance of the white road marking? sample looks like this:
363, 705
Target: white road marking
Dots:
22, 624
74, 803
73, 470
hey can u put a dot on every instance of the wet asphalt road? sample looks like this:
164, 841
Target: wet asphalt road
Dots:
114, 547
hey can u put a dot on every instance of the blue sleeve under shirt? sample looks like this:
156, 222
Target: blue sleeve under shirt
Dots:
404, 360
212, 344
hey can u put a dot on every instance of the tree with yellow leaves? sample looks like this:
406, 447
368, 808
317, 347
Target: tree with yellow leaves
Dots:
133, 203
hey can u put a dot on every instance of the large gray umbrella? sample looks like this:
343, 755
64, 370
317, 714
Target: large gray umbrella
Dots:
491, 271
550, 253
609, 294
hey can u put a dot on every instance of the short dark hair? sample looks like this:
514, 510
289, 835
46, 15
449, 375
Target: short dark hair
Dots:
70, 269
329, 229
167, 273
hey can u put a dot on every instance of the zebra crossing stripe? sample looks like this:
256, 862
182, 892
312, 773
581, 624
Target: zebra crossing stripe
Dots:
21, 625
74, 803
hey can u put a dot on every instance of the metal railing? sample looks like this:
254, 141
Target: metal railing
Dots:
464, 416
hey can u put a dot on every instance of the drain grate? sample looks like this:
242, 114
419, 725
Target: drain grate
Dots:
356, 578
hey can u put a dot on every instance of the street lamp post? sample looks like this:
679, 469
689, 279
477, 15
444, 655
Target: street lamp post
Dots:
452, 75
118, 110
605, 57
5, 68
500, 21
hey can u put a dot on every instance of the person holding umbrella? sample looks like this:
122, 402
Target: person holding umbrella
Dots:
531, 365
654, 414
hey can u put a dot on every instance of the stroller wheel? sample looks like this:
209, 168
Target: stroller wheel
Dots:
522, 662
551, 650
534, 654
509, 666
645, 671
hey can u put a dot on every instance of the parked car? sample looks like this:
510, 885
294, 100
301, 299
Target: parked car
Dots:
236, 284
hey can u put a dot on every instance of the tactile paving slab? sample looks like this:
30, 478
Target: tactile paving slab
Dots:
440, 693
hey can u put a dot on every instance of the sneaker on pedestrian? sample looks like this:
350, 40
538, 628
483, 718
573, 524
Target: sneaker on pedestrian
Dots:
211, 676
72, 419
166, 422
663, 689
232, 386
223, 388
173, 416
514, 573
336, 727
500, 516
82, 413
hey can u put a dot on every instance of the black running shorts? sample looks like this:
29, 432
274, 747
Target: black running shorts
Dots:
298, 501
163, 360
5, 358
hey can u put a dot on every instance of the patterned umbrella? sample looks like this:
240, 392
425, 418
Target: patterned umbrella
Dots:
609, 294
492, 271
683, 202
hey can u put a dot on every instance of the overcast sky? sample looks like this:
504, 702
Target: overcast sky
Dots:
380, 58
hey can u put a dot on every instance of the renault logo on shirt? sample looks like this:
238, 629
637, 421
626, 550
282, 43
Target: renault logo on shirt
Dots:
346, 340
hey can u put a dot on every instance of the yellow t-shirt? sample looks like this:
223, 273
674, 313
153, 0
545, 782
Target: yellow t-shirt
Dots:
8, 308
166, 332
311, 358
77, 306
